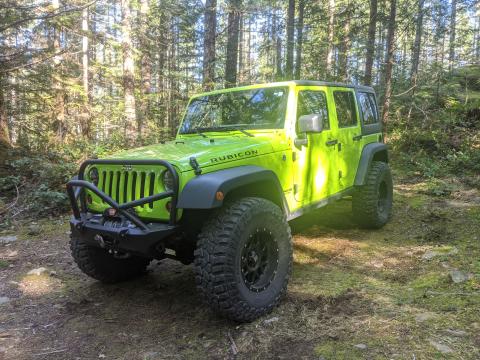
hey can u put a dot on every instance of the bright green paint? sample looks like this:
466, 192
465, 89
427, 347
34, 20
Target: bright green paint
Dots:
313, 176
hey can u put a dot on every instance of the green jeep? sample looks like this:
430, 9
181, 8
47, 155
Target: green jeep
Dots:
245, 162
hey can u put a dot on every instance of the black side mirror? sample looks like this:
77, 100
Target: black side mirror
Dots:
312, 123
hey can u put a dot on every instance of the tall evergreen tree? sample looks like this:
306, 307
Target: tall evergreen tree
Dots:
232, 43
370, 53
210, 26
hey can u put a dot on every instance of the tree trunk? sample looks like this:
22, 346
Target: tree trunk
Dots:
4, 136
145, 66
389, 63
86, 117
210, 25
371, 42
477, 35
453, 22
59, 108
417, 44
232, 43
298, 60
278, 47
241, 46
330, 45
345, 46
128, 73
290, 39
249, 50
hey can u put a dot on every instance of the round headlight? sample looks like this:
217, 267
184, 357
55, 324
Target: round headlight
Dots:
93, 175
167, 180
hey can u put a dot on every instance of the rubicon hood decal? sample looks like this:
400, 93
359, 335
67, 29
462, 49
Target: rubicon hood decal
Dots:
240, 155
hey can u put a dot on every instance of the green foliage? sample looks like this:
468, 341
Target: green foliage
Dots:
437, 133
37, 186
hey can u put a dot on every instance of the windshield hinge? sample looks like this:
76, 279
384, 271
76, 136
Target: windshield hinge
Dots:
196, 167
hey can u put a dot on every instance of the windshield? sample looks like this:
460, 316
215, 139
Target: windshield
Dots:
245, 109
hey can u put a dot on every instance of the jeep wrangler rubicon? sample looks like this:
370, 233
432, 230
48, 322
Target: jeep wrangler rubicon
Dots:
245, 161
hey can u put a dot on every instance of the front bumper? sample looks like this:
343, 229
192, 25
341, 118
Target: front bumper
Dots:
122, 236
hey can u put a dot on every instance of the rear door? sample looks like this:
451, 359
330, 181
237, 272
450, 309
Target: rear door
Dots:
348, 135
314, 166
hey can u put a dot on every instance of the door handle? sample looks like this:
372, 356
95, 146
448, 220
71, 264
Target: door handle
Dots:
332, 142
357, 137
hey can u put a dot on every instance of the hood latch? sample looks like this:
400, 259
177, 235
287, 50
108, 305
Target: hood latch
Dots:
195, 166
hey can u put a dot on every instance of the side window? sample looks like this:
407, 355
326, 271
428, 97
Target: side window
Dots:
313, 102
368, 108
374, 106
345, 106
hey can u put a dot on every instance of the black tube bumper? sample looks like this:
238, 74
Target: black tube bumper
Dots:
123, 237
125, 232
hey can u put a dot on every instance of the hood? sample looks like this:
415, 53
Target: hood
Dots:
208, 151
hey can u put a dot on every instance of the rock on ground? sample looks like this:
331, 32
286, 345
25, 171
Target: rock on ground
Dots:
424, 317
38, 271
8, 239
430, 254
458, 276
4, 300
444, 349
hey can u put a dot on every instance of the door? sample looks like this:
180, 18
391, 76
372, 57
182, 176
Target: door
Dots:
314, 165
348, 134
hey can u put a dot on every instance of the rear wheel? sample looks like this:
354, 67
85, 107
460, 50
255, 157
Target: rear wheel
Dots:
243, 259
100, 265
372, 202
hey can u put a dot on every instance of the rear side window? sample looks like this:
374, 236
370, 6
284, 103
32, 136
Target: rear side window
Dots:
313, 102
345, 106
368, 108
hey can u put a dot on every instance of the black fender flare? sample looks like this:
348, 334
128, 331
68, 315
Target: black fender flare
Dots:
368, 154
201, 191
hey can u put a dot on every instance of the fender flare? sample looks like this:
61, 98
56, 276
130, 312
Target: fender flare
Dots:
368, 154
200, 192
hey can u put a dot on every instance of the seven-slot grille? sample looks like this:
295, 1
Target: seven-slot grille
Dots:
124, 186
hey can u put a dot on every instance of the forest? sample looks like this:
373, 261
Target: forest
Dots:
83, 79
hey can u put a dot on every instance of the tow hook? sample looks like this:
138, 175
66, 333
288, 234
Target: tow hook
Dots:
98, 238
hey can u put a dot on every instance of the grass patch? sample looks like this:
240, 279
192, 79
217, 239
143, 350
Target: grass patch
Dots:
338, 350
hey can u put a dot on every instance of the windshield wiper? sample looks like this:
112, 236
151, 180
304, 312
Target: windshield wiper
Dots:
243, 131
227, 128
199, 132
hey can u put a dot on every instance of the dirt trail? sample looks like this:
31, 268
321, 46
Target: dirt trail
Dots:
354, 294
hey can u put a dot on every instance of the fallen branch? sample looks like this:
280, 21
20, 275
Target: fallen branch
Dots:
233, 345
406, 91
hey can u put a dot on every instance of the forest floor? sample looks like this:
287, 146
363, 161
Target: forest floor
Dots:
408, 291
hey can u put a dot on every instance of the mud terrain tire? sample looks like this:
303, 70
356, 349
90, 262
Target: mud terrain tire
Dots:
372, 202
100, 265
243, 259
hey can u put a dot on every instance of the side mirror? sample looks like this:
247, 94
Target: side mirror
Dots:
312, 123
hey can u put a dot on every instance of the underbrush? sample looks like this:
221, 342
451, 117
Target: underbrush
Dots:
436, 134
34, 187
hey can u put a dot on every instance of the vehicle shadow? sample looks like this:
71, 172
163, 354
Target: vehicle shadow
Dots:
336, 216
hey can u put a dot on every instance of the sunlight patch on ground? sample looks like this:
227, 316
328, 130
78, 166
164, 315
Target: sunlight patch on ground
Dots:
39, 285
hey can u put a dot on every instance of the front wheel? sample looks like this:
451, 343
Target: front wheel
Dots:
243, 259
100, 265
372, 202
